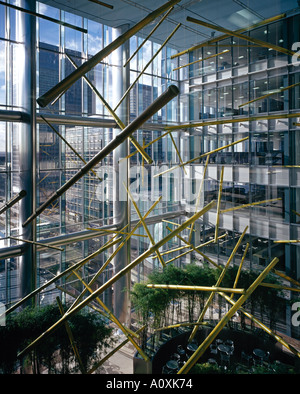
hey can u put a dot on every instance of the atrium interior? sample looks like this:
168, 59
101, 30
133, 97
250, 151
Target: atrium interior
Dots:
149, 184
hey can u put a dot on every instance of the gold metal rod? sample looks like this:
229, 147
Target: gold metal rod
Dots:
199, 194
297, 213
208, 301
264, 327
116, 277
178, 256
222, 323
288, 278
67, 82
279, 287
147, 65
216, 39
114, 232
145, 226
112, 112
37, 243
114, 254
71, 338
177, 150
249, 205
93, 369
55, 278
241, 36
171, 251
269, 94
201, 60
175, 224
116, 321
286, 241
68, 144
179, 325
146, 146
198, 251
199, 157
240, 267
236, 120
196, 288
219, 205
148, 36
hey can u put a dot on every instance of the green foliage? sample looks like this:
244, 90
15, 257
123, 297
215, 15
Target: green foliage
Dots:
205, 369
90, 333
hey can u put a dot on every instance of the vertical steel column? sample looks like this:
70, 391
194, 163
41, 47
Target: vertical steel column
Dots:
121, 82
26, 88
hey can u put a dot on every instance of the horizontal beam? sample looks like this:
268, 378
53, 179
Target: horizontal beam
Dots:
196, 288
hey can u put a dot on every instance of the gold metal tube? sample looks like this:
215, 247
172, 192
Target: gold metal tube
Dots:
199, 157
240, 267
201, 60
180, 325
196, 288
67, 82
286, 241
178, 256
112, 352
219, 204
279, 287
177, 150
36, 243
71, 338
218, 328
145, 226
71, 268
199, 195
249, 205
208, 301
235, 120
175, 224
264, 327
288, 278
219, 38
116, 277
147, 65
171, 251
103, 4
269, 94
148, 36
113, 113
241, 36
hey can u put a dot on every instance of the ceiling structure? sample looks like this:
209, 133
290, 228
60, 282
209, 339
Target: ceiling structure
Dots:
230, 14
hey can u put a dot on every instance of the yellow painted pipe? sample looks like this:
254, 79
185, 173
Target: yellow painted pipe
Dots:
208, 301
219, 204
240, 267
175, 224
241, 36
250, 205
201, 60
199, 194
180, 325
222, 323
286, 277
145, 226
269, 94
71, 338
279, 287
116, 277
285, 241
177, 150
113, 114
147, 65
178, 256
199, 157
196, 288
171, 251
264, 327
219, 38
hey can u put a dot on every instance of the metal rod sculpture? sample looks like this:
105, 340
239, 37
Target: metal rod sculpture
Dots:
250, 205
37, 243
66, 83
240, 267
171, 92
103, 4
13, 201
216, 39
241, 36
113, 113
196, 288
116, 277
214, 333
